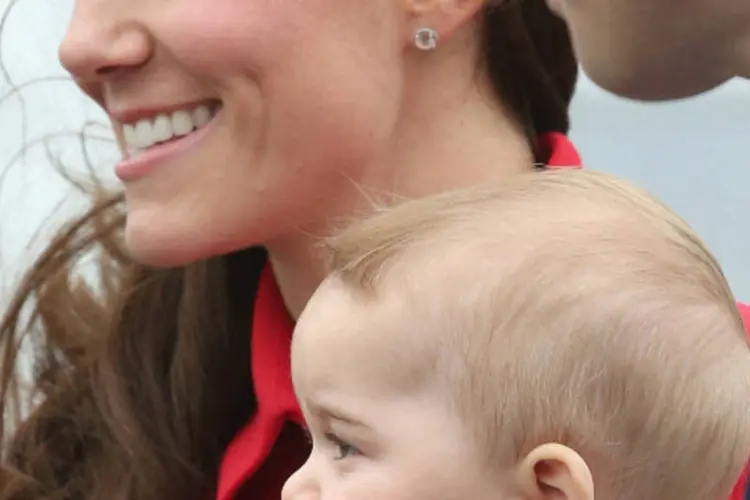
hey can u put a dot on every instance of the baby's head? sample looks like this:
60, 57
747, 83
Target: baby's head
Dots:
552, 338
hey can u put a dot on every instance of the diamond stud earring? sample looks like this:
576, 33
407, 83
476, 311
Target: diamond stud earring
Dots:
426, 39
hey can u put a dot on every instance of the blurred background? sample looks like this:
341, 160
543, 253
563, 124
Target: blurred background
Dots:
693, 154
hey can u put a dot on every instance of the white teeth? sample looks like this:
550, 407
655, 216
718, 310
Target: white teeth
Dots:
161, 129
201, 116
147, 132
143, 134
182, 124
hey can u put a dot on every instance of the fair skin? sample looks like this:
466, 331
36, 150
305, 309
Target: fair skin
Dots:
660, 49
313, 109
373, 424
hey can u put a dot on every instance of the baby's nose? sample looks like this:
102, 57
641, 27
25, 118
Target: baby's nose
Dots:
301, 485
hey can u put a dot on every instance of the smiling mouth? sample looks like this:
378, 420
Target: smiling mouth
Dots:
166, 127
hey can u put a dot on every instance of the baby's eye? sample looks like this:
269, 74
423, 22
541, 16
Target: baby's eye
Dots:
345, 450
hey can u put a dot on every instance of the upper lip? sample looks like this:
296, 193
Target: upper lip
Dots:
130, 115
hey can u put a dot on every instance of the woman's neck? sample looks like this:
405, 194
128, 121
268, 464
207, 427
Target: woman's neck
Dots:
446, 138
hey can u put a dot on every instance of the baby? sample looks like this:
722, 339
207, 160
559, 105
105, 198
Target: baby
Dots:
564, 336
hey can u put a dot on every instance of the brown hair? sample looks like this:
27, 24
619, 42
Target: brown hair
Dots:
126, 373
569, 307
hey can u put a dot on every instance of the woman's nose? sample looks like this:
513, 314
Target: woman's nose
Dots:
301, 485
102, 39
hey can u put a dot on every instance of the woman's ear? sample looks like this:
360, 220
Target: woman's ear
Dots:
555, 472
444, 16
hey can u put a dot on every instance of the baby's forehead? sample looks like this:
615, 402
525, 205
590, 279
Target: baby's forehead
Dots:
369, 338
341, 311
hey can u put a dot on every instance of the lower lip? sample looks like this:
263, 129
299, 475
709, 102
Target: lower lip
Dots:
131, 169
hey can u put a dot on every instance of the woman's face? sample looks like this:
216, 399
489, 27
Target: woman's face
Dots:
240, 120
658, 49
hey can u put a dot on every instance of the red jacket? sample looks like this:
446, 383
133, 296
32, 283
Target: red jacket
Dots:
272, 445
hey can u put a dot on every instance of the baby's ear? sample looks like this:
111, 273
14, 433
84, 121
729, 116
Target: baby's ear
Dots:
555, 472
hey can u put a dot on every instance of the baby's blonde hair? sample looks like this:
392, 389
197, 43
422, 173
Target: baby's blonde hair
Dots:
571, 307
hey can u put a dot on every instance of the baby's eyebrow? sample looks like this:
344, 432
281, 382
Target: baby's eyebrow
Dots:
326, 412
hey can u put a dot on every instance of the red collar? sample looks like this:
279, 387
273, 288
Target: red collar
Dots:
271, 345
271, 371
562, 151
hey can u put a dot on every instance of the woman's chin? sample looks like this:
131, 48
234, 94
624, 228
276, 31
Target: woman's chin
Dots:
155, 244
